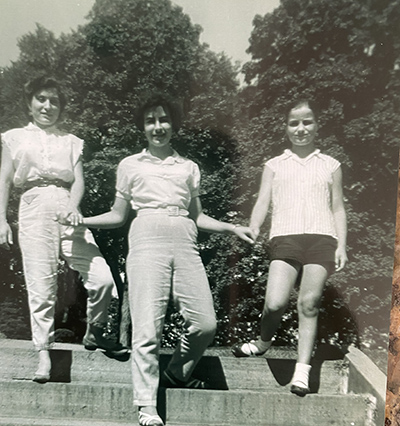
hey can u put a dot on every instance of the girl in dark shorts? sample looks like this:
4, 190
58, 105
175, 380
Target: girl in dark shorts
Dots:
307, 236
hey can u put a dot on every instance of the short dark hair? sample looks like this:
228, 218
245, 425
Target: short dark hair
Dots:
44, 82
311, 103
155, 100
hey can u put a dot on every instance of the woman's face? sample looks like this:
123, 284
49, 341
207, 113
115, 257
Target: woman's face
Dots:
302, 126
45, 107
157, 127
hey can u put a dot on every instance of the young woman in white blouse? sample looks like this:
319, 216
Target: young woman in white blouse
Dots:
307, 236
45, 163
163, 259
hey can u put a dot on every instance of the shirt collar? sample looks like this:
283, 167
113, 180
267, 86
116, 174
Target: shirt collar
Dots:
290, 154
33, 127
145, 155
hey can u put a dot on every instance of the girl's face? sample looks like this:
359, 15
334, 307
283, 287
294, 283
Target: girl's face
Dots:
157, 127
302, 126
45, 107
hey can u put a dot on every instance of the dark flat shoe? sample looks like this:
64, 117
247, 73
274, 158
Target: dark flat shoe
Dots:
299, 390
114, 349
168, 380
41, 378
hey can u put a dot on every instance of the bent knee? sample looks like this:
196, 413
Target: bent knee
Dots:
102, 282
206, 329
274, 307
210, 327
309, 307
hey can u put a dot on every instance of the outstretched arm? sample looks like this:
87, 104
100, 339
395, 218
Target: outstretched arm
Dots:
115, 218
261, 207
208, 224
6, 179
339, 215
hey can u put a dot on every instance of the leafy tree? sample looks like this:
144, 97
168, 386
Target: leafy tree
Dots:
345, 54
127, 48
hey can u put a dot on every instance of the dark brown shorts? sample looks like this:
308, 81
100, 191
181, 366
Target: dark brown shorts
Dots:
304, 249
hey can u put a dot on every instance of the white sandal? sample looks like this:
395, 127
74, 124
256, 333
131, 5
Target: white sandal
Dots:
250, 349
149, 419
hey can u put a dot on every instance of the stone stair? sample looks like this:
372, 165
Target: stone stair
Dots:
87, 388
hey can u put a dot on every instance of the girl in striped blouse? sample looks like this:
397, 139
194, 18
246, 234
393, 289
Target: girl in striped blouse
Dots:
307, 236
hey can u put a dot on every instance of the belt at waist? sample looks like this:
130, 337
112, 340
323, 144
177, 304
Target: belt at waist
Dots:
45, 182
169, 210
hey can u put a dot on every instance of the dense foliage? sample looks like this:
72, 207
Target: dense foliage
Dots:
343, 53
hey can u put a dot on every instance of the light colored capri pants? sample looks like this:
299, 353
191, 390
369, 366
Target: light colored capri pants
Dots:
42, 240
163, 260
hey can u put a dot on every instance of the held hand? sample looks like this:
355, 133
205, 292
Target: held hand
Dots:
70, 217
6, 237
256, 232
340, 259
244, 233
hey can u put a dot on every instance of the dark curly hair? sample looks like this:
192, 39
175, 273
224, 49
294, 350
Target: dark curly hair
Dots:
44, 82
155, 100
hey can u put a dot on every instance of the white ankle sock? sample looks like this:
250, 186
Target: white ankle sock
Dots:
301, 375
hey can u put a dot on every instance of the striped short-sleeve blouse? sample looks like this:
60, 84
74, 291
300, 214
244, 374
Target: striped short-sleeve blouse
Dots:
301, 194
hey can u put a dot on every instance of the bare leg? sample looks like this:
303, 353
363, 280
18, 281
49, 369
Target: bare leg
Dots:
281, 280
310, 294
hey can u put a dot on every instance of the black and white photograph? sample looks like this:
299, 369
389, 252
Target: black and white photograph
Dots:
198, 212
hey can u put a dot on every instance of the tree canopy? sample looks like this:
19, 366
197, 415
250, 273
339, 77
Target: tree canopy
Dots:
343, 53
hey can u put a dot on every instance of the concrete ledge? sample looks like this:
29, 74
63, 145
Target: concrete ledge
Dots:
366, 377
86, 401
24, 421
238, 408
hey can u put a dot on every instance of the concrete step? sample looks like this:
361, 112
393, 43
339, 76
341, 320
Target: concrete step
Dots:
72, 363
90, 387
99, 404
68, 365
21, 421
95, 401
328, 377
268, 409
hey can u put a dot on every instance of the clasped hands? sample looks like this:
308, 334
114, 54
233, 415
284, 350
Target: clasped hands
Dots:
70, 217
245, 233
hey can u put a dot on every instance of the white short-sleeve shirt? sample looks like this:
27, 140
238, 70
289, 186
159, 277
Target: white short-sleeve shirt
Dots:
46, 154
301, 194
149, 182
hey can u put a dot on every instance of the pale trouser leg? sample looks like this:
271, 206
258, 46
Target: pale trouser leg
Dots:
39, 238
159, 247
281, 280
82, 254
310, 294
149, 270
192, 296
